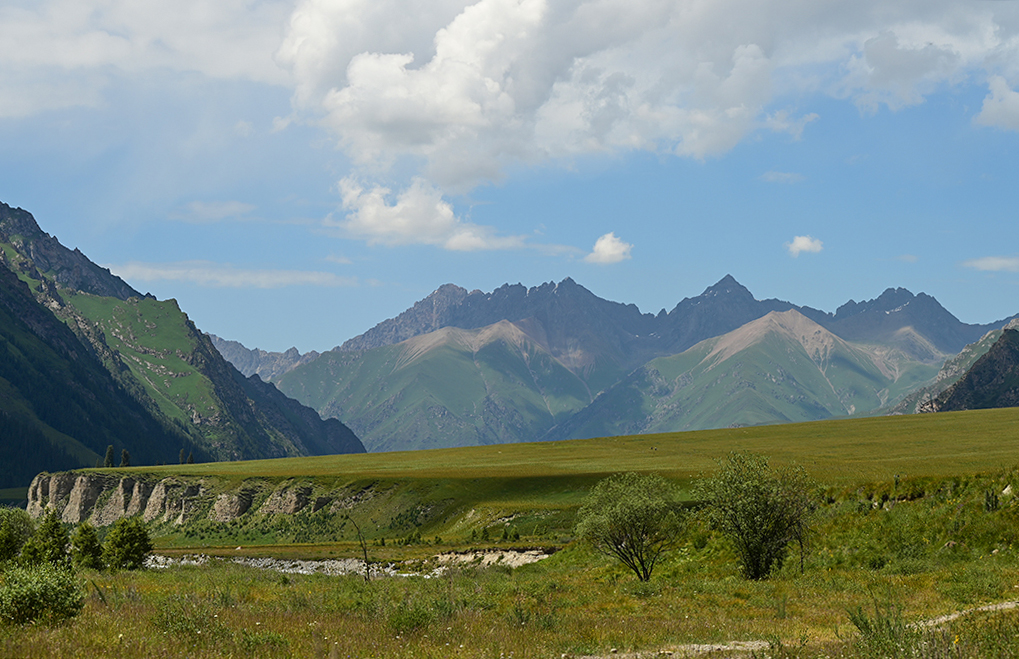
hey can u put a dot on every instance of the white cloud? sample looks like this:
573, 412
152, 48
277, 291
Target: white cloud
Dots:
1001, 106
64, 53
994, 263
781, 177
217, 275
609, 249
416, 215
804, 244
907, 258
461, 90
202, 212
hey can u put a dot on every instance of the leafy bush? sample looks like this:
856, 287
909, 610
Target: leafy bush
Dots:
760, 510
16, 528
632, 517
86, 551
45, 593
127, 544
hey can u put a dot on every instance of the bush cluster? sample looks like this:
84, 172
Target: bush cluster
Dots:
44, 592
37, 565
760, 511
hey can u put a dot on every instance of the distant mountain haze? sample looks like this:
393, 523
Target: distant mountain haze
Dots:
557, 362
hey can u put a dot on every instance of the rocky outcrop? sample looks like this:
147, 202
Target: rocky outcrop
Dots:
287, 500
102, 498
993, 381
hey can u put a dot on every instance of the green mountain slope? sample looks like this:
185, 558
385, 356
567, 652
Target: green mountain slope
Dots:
448, 388
59, 407
780, 368
165, 376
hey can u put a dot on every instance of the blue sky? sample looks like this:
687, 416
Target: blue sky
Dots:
295, 172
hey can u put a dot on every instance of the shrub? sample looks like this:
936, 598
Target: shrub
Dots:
16, 527
127, 544
632, 517
760, 510
86, 551
49, 544
45, 593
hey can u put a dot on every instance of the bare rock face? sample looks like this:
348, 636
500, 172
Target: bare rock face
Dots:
287, 500
229, 507
83, 496
172, 500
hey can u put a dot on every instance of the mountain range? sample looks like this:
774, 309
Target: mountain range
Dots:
87, 362
557, 362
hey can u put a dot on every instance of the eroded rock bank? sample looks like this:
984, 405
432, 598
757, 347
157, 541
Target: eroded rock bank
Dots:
103, 498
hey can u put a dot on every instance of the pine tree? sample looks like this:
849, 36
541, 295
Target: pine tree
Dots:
125, 458
191, 458
182, 457
86, 551
49, 544
108, 462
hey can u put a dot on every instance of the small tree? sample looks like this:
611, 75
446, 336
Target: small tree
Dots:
127, 544
191, 458
634, 518
125, 458
182, 456
86, 551
760, 510
16, 527
108, 462
49, 544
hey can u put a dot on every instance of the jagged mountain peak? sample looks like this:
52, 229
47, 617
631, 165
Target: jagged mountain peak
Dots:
892, 299
70, 268
727, 285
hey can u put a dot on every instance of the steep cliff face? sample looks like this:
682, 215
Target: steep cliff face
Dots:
993, 381
103, 498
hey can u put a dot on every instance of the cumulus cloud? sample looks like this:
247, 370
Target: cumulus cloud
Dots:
416, 215
217, 275
609, 249
1001, 107
781, 177
462, 90
994, 263
803, 244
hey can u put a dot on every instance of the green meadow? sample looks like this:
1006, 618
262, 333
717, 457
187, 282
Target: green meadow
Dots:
915, 520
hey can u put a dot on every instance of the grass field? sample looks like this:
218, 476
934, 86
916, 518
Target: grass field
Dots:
906, 531
839, 452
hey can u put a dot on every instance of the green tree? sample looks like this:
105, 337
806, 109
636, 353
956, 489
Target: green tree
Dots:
108, 462
48, 544
86, 551
127, 544
191, 458
635, 518
125, 458
759, 509
182, 456
16, 527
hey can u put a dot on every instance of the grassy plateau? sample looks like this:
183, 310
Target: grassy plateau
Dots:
916, 520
